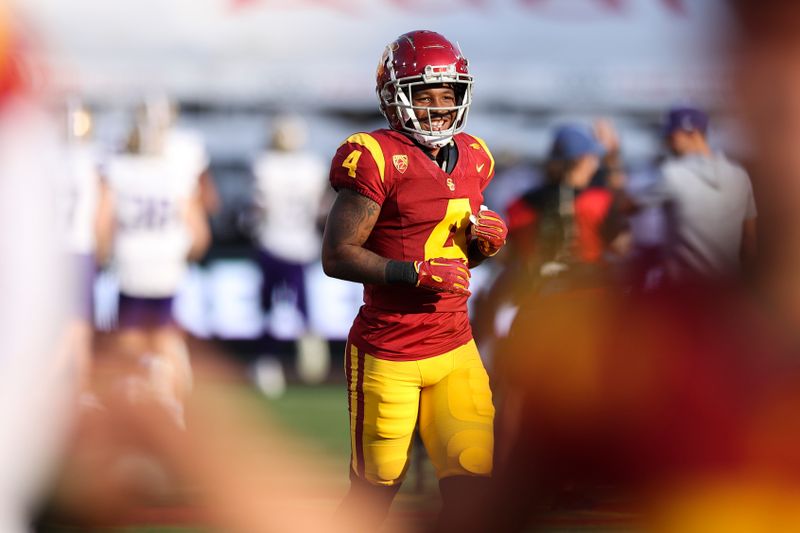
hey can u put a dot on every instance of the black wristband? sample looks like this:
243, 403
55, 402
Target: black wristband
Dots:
400, 272
474, 254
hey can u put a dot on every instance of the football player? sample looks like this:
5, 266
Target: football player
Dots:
408, 223
289, 189
78, 190
151, 221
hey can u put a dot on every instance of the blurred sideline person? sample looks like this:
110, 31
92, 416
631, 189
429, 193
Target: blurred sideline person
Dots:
38, 371
408, 223
711, 211
290, 185
78, 196
151, 222
234, 468
561, 231
562, 222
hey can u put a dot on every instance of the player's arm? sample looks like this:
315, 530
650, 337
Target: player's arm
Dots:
104, 224
487, 231
209, 195
197, 223
349, 225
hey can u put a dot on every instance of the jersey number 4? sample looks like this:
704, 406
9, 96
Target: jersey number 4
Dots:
449, 238
351, 163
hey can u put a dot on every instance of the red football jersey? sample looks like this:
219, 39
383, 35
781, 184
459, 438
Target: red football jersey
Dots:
424, 214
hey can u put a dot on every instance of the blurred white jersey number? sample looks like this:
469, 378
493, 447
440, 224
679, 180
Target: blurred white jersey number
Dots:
152, 242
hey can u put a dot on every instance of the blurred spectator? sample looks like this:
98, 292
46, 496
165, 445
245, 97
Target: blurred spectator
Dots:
562, 222
560, 232
649, 230
709, 202
151, 222
290, 185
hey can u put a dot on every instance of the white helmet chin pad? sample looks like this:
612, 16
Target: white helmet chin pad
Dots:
432, 141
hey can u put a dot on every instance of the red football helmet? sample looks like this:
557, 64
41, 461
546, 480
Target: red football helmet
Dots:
419, 58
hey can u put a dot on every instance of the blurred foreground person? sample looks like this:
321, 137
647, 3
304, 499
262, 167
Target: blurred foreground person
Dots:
767, 80
682, 403
151, 222
38, 371
646, 405
290, 185
233, 469
709, 203
408, 223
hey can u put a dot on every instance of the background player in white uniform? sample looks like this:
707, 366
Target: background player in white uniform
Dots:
78, 191
290, 185
152, 223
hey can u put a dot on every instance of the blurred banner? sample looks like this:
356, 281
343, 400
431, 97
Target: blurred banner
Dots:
531, 54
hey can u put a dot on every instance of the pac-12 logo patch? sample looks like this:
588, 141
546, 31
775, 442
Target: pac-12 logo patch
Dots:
400, 162
450, 184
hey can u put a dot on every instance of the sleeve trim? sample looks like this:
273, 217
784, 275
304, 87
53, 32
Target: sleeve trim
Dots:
368, 141
363, 191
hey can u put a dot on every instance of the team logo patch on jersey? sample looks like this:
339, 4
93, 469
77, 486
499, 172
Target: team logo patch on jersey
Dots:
475, 146
450, 184
400, 162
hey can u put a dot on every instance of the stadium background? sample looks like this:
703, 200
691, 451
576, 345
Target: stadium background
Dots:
234, 65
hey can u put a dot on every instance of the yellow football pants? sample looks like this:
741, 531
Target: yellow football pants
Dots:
450, 394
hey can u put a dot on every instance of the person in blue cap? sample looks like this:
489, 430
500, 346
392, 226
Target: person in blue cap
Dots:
559, 232
685, 131
564, 218
709, 202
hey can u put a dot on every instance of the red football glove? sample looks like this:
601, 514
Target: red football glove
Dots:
443, 275
491, 232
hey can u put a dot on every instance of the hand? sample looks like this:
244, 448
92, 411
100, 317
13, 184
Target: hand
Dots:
443, 275
607, 135
490, 230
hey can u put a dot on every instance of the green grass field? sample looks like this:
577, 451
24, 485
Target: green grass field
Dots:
318, 414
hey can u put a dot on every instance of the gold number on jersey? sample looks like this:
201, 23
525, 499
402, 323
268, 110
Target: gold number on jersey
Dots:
449, 237
351, 162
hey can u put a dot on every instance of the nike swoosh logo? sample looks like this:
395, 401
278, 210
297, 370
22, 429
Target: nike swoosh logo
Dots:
479, 167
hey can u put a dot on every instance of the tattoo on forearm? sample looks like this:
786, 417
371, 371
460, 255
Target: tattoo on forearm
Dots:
349, 225
355, 219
